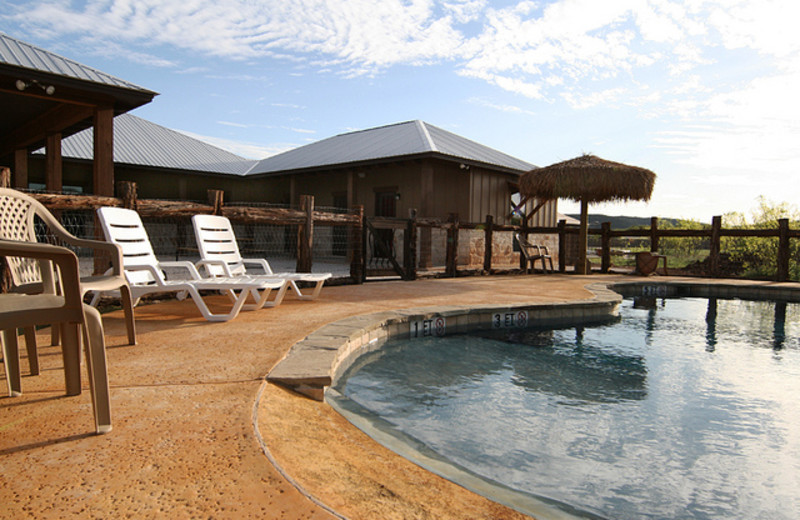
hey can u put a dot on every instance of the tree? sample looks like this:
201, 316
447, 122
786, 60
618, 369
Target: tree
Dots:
759, 255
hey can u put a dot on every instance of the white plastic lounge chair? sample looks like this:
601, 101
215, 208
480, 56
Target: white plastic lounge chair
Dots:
62, 307
144, 272
220, 256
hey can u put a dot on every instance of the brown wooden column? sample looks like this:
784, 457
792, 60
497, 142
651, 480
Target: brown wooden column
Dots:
103, 152
305, 236
426, 210
53, 168
21, 168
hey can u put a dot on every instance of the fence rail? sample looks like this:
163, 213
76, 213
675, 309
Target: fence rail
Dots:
404, 249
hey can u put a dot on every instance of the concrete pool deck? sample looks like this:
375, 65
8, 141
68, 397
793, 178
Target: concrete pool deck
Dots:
198, 433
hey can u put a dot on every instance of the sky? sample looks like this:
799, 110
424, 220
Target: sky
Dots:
703, 93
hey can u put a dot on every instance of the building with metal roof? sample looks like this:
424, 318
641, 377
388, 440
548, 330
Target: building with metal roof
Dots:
164, 163
45, 97
389, 170
408, 140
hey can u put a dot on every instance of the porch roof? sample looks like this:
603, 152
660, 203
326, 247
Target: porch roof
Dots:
42, 93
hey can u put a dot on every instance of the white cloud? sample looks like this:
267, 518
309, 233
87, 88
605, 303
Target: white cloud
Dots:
245, 149
755, 128
733, 64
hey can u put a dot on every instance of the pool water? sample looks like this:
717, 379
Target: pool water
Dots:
685, 408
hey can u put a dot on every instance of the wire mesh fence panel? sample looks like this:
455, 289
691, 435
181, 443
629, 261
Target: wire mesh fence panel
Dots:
81, 224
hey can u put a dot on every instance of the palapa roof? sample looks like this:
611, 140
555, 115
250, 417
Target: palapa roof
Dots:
589, 178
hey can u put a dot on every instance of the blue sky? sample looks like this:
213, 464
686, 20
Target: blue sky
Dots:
704, 93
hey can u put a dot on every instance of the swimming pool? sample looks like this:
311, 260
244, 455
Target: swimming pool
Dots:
685, 408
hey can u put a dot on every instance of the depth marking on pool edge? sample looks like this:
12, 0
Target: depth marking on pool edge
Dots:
513, 319
431, 327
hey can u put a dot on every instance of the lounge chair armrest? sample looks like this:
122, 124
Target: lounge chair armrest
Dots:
193, 272
63, 258
260, 262
219, 263
152, 270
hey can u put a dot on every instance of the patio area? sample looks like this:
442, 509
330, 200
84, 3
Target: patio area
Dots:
198, 433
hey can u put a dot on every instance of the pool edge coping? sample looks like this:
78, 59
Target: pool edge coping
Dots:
311, 365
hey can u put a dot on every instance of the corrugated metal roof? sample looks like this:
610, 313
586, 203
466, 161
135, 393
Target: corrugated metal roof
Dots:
21, 54
392, 141
144, 143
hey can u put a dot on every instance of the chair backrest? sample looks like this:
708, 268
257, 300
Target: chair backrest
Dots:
124, 227
216, 241
17, 212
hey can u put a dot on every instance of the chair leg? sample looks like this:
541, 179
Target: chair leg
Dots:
263, 299
8, 341
206, 312
70, 352
94, 342
33, 354
127, 305
312, 296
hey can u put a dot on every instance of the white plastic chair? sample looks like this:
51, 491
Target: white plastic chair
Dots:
63, 308
144, 272
220, 256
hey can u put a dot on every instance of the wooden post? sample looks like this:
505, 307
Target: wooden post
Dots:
488, 233
215, 199
103, 162
714, 246
305, 235
53, 171
562, 246
5, 276
126, 190
451, 261
21, 168
783, 249
583, 239
654, 234
605, 245
523, 233
357, 270
410, 248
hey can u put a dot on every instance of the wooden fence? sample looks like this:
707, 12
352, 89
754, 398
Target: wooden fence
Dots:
714, 234
306, 217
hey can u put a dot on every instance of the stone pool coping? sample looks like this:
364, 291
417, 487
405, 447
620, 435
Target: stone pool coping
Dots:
312, 364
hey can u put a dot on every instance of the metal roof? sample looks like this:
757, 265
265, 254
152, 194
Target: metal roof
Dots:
143, 143
411, 138
21, 54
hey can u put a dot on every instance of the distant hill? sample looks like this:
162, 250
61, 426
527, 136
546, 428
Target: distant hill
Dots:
619, 221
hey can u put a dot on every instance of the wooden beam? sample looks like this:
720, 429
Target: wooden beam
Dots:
539, 206
103, 165
34, 131
53, 174
518, 206
21, 168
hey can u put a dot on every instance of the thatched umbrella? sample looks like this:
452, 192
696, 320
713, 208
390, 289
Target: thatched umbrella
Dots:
588, 179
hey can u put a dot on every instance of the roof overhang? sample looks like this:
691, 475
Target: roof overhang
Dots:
388, 160
32, 110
